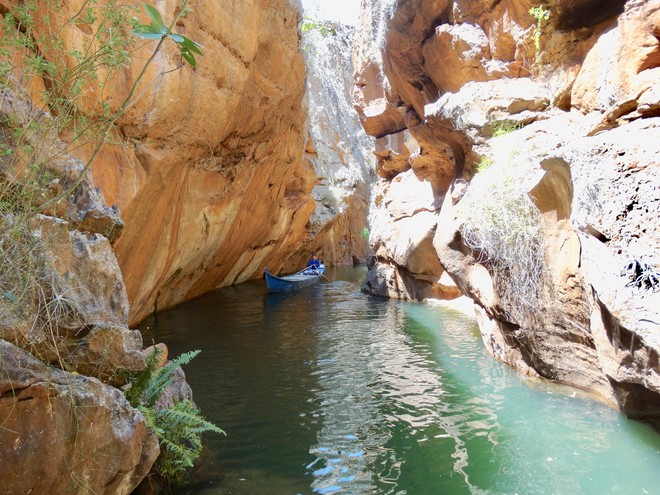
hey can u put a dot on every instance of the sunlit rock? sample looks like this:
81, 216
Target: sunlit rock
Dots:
393, 153
580, 179
340, 151
615, 68
403, 221
483, 108
458, 54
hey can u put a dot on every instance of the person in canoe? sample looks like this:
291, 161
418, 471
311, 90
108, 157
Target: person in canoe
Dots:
313, 265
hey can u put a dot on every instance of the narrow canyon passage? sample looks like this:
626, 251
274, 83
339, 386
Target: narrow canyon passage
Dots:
328, 390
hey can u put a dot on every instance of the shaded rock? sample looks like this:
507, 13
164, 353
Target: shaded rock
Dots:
108, 353
614, 70
209, 193
177, 391
575, 14
458, 54
393, 153
75, 315
68, 433
85, 207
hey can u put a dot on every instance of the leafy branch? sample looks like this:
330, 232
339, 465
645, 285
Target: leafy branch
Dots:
156, 30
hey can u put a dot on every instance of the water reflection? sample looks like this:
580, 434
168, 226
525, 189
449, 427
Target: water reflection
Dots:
331, 391
375, 381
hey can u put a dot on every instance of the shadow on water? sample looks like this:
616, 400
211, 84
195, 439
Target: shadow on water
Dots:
327, 390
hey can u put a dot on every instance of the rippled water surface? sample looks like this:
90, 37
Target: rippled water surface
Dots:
331, 391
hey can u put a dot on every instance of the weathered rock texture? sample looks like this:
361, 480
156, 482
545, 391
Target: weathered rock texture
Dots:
65, 433
215, 187
208, 169
572, 129
68, 431
64, 340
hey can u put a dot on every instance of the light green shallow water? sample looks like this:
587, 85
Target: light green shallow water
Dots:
331, 391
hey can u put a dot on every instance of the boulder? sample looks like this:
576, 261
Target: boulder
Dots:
67, 433
403, 225
615, 70
480, 108
458, 54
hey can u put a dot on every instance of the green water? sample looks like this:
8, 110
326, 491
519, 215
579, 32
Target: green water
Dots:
331, 391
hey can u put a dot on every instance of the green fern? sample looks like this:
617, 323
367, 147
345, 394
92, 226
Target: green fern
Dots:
179, 431
150, 383
179, 428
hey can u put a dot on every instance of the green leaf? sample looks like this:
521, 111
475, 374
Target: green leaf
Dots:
191, 45
156, 19
10, 296
149, 31
148, 36
190, 58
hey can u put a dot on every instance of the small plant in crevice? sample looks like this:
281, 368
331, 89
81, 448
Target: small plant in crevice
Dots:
504, 127
179, 428
541, 15
503, 230
642, 275
325, 28
483, 164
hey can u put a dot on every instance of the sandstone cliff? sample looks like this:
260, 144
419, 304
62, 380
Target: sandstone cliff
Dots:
529, 144
210, 176
213, 170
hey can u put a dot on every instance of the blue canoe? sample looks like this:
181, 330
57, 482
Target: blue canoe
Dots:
303, 278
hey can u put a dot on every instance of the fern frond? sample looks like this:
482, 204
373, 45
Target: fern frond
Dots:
180, 427
162, 377
142, 380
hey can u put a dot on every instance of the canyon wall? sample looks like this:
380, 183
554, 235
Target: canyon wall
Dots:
517, 151
214, 186
338, 148
213, 173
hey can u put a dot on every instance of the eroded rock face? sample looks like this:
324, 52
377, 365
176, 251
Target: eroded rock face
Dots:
208, 169
340, 151
575, 123
403, 225
63, 306
68, 433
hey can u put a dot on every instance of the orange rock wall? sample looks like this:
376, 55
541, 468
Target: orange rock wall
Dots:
207, 167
